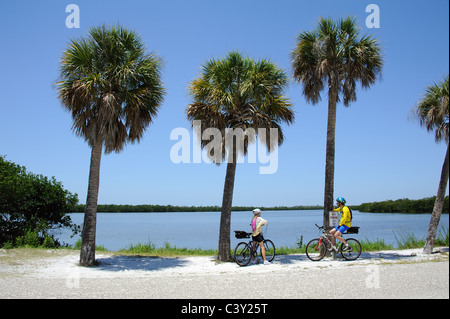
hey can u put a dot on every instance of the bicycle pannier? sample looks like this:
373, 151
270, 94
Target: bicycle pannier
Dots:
353, 230
241, 234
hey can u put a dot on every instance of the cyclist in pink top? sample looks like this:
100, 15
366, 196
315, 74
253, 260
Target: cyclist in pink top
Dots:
257, 236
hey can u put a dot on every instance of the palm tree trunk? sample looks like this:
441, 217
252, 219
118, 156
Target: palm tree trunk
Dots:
227, 202
87, 254
438, 207
330, 154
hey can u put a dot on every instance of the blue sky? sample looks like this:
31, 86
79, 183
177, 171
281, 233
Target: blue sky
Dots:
380, 153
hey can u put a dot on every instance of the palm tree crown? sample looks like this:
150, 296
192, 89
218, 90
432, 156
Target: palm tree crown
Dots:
334, 54
111, 86
433, 110
237, 92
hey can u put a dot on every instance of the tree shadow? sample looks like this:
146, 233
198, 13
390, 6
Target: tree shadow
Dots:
386, 255
136, 262
290, 259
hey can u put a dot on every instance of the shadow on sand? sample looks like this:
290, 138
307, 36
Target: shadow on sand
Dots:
136, 262
150, 263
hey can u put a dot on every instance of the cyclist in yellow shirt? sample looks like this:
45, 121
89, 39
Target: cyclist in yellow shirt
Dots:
344, 224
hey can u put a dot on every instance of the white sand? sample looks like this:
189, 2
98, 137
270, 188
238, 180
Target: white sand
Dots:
56, 274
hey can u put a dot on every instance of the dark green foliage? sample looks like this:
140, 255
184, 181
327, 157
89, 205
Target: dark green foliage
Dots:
169, 208
30, 205
407, 206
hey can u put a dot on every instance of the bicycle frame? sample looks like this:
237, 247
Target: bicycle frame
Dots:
320, 245
249, 250
254, 252
327, 236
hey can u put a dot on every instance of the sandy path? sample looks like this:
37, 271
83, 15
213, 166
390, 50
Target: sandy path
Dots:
386, 274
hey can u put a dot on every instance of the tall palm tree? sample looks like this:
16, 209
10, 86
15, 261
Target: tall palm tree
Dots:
237, 93
113, 90
433, 113
334, 57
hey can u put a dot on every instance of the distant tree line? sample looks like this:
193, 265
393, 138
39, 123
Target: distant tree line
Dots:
406, 206
170, 208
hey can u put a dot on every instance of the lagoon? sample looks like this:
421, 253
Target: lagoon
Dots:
201, 229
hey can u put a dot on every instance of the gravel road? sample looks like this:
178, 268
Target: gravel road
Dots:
388, 275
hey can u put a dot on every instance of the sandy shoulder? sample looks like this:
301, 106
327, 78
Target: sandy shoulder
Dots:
64, 263
56, 274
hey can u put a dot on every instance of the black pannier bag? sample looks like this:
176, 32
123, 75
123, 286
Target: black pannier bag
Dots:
241, 234
352, 230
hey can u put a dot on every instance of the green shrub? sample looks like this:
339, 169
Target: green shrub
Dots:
77, 246
48, 242
30, 205
30, 239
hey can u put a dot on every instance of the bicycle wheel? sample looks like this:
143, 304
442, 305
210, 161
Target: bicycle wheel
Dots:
315, 249
355, 250
242, 254
270, 250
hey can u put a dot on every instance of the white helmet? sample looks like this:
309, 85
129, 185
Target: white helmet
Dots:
256, 211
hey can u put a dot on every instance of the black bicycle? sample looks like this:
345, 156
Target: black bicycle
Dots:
244, 252
316, 249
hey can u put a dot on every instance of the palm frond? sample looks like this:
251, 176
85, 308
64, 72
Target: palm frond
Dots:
111, 86
433, 110
333, 55
238, 94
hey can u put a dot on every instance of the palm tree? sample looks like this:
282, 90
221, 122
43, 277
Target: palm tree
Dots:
113, 90
231, 94
333, 56
433, 113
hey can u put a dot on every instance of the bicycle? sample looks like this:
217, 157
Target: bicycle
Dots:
244, 252
316, 249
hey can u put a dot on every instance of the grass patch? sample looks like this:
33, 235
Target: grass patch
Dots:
404, 241
285, 250
442, 238
168, 250
376, 245
32, 239
409, 240
77, 246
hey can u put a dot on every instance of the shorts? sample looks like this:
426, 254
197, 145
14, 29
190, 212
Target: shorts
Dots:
258, 238
342, 228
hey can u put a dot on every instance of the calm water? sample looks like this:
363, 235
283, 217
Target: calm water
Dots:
201, 230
